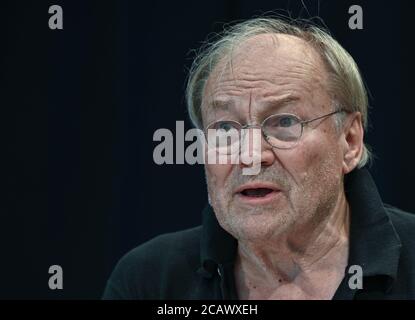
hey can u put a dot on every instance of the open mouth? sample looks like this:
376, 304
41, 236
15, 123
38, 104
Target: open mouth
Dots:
256, 192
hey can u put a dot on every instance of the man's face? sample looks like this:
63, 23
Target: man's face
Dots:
274, 74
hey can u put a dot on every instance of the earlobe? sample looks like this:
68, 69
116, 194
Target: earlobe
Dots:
349, 163
353, 142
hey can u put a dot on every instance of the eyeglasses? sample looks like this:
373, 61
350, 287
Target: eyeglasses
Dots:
281, 131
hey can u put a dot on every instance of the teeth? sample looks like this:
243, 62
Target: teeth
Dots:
259, 192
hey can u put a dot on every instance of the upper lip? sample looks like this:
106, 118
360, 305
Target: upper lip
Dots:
257, 185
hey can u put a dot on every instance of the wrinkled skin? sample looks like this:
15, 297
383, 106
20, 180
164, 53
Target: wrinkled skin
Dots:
284, 245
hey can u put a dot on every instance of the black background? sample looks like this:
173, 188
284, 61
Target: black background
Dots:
80, 106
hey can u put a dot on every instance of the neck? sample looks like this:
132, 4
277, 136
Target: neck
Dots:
298, 255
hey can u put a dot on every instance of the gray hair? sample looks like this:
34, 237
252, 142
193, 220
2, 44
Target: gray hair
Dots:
346, 85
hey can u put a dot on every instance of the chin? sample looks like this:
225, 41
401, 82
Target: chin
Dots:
258, 224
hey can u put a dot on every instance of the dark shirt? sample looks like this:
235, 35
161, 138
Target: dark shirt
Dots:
198, 263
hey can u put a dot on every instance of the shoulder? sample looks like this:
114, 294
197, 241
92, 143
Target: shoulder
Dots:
403, 222
141, 272
170, 244
167, 249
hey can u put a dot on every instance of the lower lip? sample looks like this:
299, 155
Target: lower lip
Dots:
272, 196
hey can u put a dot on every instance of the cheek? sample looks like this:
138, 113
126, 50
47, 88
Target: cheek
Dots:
217, 174
313, 162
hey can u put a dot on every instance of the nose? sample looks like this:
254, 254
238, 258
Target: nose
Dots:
255, 148
267, 153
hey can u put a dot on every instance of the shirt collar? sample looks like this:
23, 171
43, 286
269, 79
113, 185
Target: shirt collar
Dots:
217, 246
374, 243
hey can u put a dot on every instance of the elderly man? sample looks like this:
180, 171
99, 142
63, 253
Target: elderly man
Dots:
310, 224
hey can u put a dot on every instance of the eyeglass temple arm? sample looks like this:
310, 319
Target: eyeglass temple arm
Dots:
321, 117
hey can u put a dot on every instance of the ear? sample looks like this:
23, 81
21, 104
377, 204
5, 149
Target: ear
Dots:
352, 141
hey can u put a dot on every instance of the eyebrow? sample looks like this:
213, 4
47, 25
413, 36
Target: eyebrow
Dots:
277, 102
222, 103
269, 102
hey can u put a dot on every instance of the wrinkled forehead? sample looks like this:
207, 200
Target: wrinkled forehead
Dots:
265, 62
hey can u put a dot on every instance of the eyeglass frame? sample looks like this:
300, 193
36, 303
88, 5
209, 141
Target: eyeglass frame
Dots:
260, 126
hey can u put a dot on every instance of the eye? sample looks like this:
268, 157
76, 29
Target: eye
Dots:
282, 121
225, 126
287, 121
